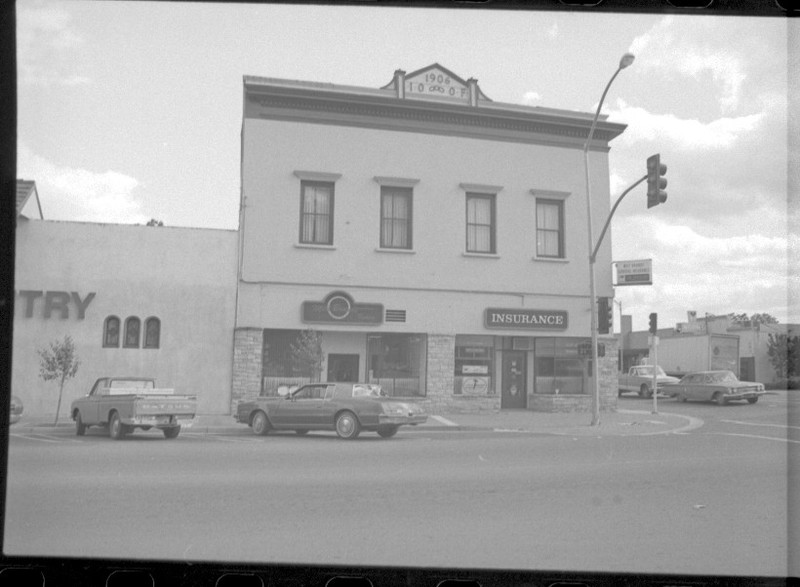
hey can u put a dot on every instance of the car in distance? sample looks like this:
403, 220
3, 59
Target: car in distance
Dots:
15, 410
717, 386
639, 379
346, 408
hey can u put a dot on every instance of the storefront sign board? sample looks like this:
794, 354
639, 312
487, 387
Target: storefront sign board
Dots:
525, 319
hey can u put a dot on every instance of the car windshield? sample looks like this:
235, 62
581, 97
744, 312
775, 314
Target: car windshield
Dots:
721, 377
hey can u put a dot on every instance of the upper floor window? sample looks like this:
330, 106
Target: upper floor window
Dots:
152, 333
481, 224
316, 212
111, 332
132, 327
550, 228
396, 219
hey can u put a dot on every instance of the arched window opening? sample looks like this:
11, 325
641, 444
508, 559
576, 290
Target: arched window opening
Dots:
111, 332
152, 333
132, 327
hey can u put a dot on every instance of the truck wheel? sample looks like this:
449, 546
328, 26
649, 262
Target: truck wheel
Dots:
80, 427
172, 432
347, 425
644, 391
261, 424
116, 429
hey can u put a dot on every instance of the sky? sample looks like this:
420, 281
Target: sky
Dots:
129, 111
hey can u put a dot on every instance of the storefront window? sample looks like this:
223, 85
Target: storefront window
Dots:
559, 368
396, 362
474, 365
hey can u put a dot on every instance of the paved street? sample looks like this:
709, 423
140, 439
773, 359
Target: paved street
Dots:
712, 500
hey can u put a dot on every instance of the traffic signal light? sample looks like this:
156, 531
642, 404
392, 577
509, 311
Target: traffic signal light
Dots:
656, 182
605, 315
653, 323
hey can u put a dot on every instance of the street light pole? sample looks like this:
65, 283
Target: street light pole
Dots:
624, 62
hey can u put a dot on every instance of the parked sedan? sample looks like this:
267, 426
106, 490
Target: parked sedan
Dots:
346, 408
15, 412
717, 386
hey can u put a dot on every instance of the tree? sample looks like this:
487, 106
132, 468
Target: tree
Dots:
784, 354
60, 363
307, 354
758, 318
154, 222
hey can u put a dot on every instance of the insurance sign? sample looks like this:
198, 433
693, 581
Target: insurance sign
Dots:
635, 272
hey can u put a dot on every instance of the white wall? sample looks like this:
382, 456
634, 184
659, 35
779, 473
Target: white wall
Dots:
273, 150
185, 277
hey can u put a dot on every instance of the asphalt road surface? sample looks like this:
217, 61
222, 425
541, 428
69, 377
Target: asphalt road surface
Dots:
714, 501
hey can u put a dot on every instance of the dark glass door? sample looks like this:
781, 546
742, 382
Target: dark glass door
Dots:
343, 368
514, 393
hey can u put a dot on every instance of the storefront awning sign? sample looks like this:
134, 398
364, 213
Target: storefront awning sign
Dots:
340, 308
526, 319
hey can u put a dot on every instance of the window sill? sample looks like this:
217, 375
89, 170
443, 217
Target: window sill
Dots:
401, 251
551, 259
481, 255
310, 246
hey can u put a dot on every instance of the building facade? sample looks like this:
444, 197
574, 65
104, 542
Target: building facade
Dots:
430, 239
136, 301
418, 235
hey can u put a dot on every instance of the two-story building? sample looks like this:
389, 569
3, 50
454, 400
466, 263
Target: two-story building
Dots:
433, 239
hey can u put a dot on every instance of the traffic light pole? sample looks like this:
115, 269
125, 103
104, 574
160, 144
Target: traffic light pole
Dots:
608, 220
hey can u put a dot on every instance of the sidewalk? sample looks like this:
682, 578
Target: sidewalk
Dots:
619, 423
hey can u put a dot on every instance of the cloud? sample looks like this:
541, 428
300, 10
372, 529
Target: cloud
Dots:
704, 272
45, 41
79, 194
673, 46
691, 134
531, 97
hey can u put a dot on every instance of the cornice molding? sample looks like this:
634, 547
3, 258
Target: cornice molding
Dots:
420, 116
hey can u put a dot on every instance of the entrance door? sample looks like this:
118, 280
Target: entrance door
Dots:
514, 394
747, 368
343, 368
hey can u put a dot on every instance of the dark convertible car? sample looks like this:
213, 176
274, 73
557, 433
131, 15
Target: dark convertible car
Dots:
347, 408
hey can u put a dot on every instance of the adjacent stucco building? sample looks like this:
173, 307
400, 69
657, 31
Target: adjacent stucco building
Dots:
136, 300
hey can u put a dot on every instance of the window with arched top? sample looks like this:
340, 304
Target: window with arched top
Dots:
111, 332
152, 333
132, 328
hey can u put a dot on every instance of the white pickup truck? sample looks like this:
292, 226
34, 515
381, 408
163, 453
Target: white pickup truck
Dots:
122, 404
640, 380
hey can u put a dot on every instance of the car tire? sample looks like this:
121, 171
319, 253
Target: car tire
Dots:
171, 433
116, 429
644, 391
80, 427
681, 398
261, 425
719, 397
752, 400
347, 425
387, 431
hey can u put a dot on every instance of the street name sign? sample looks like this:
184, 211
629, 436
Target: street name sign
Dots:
635, 272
